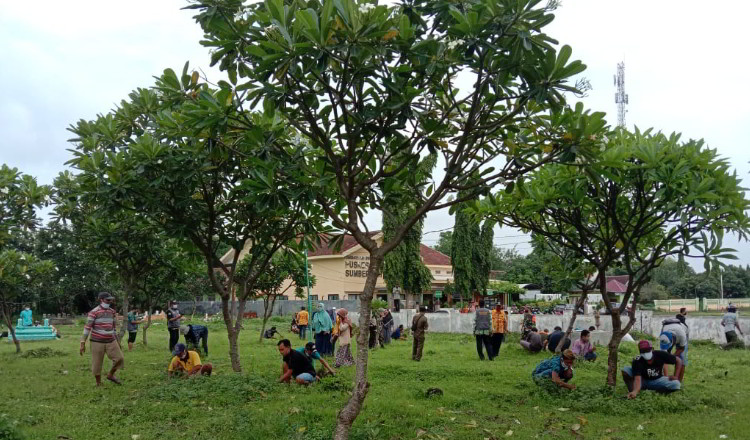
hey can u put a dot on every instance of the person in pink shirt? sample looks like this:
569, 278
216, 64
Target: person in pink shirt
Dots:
583, 348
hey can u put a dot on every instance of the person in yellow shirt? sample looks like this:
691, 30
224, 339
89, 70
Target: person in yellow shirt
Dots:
187, 363
302, 320
499, 326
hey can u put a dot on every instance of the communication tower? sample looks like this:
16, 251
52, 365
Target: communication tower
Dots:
621, 98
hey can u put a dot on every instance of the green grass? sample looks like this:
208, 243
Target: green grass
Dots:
51, 394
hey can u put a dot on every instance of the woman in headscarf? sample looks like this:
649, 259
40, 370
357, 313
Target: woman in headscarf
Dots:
321, 327
343, 353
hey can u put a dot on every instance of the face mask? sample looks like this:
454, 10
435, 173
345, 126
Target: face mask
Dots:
105, 305
647, 355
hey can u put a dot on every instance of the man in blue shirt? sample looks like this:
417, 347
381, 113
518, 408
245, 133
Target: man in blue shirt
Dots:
558, 369
194, 333
26, 318
312, 354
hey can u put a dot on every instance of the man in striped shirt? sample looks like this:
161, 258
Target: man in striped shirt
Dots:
100, 325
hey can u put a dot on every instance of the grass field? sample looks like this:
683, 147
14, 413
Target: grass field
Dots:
53, 397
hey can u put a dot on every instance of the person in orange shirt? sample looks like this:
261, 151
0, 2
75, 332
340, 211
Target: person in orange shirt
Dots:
302, 319
499, 326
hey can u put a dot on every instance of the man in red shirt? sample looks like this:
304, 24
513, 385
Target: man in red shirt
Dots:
100, 325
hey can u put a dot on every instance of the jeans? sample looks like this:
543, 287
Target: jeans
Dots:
302, 331
306, 377
201, 337
662, 384
174, 337
590, 356
486, 341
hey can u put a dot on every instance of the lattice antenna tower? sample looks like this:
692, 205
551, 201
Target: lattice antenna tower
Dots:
621, 98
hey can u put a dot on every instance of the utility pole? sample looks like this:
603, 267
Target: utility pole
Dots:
621, 98
721, 284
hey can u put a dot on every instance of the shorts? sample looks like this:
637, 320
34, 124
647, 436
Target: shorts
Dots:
306, 378
99, 349
666, 343
131, 336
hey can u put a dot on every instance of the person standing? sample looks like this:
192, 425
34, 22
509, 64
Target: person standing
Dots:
173, 324
730, 321
646, 372
133, 321
100, 326
418, 327
321, 328
597, 316
387, 320
483, 330
302, 320
195, 333
26, 316
499, 324
344, 354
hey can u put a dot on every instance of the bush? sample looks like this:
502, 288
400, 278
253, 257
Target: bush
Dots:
8, 429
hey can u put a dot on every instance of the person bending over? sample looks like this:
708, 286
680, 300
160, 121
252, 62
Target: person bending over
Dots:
295, 365
646, 372
187, 363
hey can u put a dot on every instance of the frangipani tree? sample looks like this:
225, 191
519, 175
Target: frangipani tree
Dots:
175, 156
372, 89
644, 198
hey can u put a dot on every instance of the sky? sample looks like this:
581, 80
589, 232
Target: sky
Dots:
685, 71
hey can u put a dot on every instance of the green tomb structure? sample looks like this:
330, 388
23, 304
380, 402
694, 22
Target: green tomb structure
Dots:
27, 331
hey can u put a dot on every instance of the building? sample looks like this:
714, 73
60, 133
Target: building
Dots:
617, 286
340, 273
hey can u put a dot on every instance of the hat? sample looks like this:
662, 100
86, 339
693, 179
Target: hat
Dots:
105, 295
179, 349
646, 349
568, 354
184, 329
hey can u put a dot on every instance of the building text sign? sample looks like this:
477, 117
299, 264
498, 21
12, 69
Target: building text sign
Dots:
356, 266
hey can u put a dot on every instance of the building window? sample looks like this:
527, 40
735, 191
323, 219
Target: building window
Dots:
333, 297
313, 297
353, 296
283, 298
437, 272
449, 272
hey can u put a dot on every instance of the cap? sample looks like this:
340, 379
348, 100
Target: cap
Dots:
184, 329
105, 295
179, 349
646, 349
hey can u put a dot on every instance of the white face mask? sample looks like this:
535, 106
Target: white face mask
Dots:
174, 307
647, 355
105, 305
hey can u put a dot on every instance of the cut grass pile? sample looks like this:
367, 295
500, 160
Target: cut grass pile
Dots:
50, 395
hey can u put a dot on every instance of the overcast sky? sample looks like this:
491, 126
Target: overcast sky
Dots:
685, 71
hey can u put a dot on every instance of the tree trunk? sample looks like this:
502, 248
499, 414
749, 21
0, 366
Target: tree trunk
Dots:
148, 322
617, 336
351, 410
11, 330
267, 312
129, 290
579, 304
232, 334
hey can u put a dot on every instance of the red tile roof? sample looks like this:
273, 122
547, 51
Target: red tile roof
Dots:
614, 286
432, 257
429, 256
622, 279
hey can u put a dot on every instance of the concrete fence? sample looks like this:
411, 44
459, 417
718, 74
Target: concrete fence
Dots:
674, 305
451, 321
721, 304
